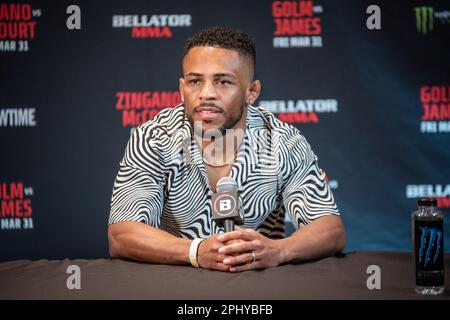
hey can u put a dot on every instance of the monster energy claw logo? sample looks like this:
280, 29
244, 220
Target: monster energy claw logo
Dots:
424, 19
435, 238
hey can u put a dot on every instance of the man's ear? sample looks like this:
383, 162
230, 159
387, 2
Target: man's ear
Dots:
181, 88
253, 91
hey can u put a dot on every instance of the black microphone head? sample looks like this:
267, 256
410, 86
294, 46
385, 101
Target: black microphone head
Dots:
226, 184
226, 202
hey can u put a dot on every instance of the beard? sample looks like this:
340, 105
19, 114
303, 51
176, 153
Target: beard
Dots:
230, 121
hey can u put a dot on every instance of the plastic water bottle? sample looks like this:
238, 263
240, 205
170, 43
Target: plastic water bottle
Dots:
428, 242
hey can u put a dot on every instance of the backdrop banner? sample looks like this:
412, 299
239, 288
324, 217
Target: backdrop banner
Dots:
366, 82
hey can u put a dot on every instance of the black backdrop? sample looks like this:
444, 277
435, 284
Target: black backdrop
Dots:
359, 96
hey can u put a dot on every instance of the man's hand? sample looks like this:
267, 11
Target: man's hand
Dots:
237, 246
208, 256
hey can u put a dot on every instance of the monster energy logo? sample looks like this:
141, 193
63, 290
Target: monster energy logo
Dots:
424, 19
434, 240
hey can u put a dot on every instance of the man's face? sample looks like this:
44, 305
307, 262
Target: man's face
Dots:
215, 86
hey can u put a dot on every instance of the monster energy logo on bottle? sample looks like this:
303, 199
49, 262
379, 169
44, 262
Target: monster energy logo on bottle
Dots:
434, 242
424, 19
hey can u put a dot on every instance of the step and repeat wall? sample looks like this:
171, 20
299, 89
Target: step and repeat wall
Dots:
368, 86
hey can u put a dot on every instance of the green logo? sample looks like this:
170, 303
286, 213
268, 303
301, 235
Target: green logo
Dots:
424, 19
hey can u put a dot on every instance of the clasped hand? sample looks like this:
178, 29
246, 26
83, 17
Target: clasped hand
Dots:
239, 250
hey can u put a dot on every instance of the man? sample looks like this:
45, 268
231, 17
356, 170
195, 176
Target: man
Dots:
161, 203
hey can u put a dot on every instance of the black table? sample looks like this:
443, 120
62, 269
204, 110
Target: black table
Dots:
341, 277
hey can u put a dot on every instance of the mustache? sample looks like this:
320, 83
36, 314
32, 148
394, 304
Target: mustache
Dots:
208, 105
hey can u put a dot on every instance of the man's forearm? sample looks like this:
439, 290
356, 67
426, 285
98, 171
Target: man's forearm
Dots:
138, 241
323, 237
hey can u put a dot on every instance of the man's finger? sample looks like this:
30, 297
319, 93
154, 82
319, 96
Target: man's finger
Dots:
246, 267
240, 247
222, 267
244, 234
245, 258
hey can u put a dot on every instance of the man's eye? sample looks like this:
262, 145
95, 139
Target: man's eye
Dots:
223, 82
194, 81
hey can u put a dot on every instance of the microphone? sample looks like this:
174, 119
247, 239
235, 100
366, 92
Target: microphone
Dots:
226, 205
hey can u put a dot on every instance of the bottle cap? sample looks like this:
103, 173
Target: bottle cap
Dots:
427, 202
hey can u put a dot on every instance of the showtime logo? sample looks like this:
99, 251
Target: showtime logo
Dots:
140, 107
16, 212
438, 191
17, 27
17, 117
297, 24
154, 26
436, 109
300, 111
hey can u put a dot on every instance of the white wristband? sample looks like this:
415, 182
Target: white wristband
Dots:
193, 251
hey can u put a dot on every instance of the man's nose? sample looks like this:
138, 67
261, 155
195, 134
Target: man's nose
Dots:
208, 91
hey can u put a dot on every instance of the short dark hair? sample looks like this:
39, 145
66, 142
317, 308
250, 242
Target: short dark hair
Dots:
223, 37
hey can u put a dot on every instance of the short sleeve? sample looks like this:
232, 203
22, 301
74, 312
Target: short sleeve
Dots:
138, 188
306, 193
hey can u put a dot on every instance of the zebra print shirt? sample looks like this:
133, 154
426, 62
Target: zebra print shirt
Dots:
162, 180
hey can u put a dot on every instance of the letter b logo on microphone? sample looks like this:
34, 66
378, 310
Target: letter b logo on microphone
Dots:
224, 205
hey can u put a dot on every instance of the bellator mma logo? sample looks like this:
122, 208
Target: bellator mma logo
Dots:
436, 109
154, 26
438, 191
16, 211
296, 24
139, 107
17, 27
300, 111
